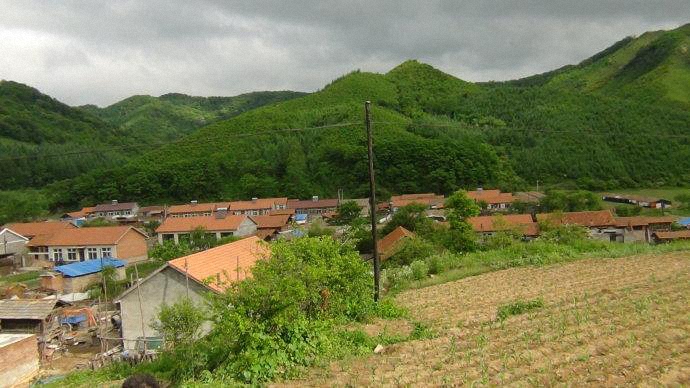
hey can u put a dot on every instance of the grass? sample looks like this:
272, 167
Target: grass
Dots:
518, 307
27, 278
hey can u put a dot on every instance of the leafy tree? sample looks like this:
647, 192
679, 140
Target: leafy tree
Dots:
347, 213
460, 207
410, 217
570, 201
22, 205
684, 201
169, 250
180, 323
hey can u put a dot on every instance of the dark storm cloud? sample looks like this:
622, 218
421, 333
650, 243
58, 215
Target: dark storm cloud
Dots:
99, 52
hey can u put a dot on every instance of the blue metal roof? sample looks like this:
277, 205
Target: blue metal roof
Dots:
300, 217
684, 221
88, 267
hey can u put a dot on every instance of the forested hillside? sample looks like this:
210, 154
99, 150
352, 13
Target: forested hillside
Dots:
172, 115
617, 119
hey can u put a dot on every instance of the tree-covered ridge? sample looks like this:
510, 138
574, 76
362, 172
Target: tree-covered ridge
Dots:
172, 115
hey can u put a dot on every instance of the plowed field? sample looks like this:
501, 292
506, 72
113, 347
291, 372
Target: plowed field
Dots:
604, 322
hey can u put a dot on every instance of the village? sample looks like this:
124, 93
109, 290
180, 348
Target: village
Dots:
58, 314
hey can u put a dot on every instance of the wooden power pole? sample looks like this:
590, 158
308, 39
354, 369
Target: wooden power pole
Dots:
372, 199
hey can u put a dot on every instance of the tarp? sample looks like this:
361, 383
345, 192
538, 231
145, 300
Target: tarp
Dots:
684, 221
88, 267
300, 218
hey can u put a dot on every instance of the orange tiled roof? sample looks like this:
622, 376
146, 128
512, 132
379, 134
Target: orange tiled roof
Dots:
599, 218
271, 221
389, 243
85, 211
33, 229
196, 207
223, 264
258, 204
486, 224
629, 222
278, 212
106, 235
674, 235
429, 199
312, 204
491, 197
210, 223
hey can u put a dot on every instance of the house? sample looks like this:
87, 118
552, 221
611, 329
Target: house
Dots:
642, 228
72, 245
257, 206
313, 206
195, 209
489, 225
33, 229
77, 217
269, 226
641, 201
115, 211
431, 200
20, 359
76, 277
12, 243
28, 231
492, 200
149, 213
664, 237
390, 244
600, 223
221, 225
26, 315
191, 276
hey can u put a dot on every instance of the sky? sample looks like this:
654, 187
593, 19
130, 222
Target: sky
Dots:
98, 52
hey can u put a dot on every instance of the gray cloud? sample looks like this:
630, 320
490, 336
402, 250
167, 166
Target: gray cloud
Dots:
99, 52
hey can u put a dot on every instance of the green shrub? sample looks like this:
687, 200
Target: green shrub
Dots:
396, 278
420, 269
169, 250
517, 308
179, 323
411, 249
439, 263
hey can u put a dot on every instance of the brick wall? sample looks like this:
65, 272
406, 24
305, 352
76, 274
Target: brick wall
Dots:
19, 360
132, 247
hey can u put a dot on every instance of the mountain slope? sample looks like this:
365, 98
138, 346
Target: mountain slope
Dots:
172, 115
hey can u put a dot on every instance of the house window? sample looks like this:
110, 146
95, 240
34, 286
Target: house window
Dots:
72, 254
92, 253
57, 254
106, 252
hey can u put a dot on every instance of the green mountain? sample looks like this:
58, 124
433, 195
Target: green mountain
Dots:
618, 119
43, 140
172, 115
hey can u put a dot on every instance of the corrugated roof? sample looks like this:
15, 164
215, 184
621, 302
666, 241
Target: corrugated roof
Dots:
271, 221
105, 235
210, 223
312, 204
109, 207
33, 229
675, 235
37, 309
258, 204
88, 267
587, 218
487, 224
389, 243
629, 222
196, 207
223, 264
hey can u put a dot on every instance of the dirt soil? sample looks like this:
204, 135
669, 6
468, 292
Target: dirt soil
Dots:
605, 322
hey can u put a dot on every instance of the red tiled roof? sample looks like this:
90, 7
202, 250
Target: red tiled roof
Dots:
271, 221
196, 207
258, 204
106, 235
33, 229
210, 223
429, 199
278, 212
312, 204
675, 235
487, 224
223, 264
81, 213
388, 244
596, 218
491, 197
629, 222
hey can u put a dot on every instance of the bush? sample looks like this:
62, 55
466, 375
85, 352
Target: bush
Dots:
420, 269
169, 250
411, 249
179, 323
517, 308
397, 278
440, 262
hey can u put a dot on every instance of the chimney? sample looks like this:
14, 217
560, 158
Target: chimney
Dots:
254, 199
315, 198
114, 201
194, 202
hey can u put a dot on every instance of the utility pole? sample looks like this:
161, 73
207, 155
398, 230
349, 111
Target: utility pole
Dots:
372, 199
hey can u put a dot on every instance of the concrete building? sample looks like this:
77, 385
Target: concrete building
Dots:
191, 276
73, 245
19, 360
115, 211
257, 206
195, 209
12, 243
492, 200
220, 225
313, 206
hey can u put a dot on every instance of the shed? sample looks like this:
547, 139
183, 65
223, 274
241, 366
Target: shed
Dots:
25, 315
78, 276
20, 361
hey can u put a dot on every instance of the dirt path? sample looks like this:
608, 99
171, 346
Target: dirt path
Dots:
605, 322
